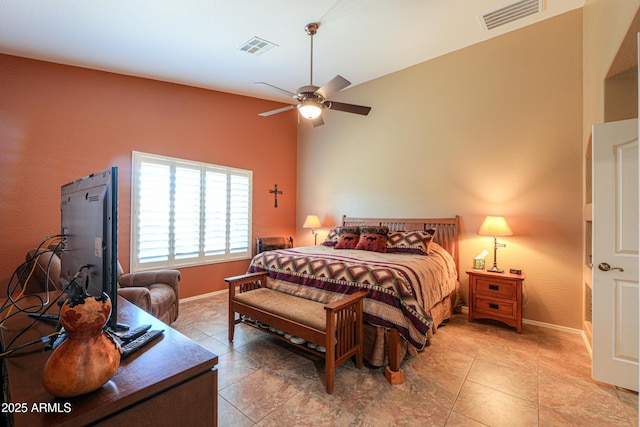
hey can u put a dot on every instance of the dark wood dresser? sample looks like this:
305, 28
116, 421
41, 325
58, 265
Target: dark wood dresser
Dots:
171, 381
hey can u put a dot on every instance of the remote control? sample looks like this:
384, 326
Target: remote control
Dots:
138, 343
45, 316
134, 333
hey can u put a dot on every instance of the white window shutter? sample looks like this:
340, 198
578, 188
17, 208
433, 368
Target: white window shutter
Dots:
215, 241
239, 219
188, 213
153, 231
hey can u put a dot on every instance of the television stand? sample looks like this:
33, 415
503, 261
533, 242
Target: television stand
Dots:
172, 382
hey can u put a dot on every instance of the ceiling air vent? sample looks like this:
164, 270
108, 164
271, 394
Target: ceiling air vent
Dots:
509, 12
257, 46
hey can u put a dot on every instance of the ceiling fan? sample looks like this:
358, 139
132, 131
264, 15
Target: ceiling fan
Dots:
313, 99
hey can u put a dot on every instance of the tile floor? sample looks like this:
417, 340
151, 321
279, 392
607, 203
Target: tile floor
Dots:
471, 375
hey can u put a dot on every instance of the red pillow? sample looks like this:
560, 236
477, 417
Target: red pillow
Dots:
348, 239
373, 239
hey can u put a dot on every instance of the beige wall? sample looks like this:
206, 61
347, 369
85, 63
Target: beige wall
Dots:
606, 23
495, 128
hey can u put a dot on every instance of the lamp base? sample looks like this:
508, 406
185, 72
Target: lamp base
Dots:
496, 245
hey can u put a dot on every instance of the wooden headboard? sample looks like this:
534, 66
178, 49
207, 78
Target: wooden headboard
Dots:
446, 229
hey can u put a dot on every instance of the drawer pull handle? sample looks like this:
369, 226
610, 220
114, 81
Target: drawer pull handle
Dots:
494, 287
494, 306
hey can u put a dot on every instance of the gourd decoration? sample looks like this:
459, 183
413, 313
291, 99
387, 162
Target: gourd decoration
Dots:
90, 355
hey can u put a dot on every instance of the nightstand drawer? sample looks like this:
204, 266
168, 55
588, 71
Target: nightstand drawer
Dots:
495, 288
496, 296
495, 307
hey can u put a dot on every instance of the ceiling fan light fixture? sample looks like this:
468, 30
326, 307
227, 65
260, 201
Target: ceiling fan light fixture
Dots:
313, 99
310, 109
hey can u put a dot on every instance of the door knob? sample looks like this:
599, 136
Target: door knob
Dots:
606, 267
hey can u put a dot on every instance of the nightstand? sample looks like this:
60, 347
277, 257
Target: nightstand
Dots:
496, 296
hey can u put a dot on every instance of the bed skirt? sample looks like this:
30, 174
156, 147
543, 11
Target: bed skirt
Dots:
375, 337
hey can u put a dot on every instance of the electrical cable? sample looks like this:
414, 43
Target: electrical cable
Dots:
32, 323
13, 301
73, 281
44, 339
47, 242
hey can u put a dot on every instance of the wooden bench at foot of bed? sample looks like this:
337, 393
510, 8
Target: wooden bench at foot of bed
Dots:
336, 326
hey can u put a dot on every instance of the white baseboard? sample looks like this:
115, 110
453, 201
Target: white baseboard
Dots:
585, 339
552, 326
465, 309
208, 294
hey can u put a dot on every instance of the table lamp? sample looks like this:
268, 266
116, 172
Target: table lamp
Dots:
495, 226
312, 222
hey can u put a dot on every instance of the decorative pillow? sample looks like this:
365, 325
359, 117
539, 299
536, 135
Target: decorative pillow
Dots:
332, 237
414, 242
348, 238
373, 239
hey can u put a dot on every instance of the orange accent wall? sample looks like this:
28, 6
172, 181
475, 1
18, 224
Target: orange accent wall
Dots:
59, 123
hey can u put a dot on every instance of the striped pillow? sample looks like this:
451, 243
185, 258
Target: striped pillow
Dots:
332, 237
414, 242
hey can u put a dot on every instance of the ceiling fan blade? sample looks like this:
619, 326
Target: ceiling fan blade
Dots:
348, 108
317, 121
334, 85
277, 89
276, 111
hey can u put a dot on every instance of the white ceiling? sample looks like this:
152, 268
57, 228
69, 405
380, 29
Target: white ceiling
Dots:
196, 42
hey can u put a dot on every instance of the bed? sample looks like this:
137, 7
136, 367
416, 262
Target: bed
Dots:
410, 294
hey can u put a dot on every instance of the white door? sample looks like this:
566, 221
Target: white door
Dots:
615, 253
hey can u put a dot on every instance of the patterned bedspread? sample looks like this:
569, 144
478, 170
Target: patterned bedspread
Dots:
402, 287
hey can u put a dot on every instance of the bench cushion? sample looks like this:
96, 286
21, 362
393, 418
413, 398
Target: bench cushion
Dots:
307, 312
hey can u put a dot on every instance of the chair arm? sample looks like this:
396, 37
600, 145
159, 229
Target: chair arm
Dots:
147, 278
138, 296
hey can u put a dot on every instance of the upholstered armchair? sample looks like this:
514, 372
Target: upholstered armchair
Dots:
45, 273
156, 292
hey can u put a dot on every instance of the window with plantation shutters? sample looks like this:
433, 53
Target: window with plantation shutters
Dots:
188, 213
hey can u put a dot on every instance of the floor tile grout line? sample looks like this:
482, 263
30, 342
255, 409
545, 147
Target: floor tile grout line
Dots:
563, 348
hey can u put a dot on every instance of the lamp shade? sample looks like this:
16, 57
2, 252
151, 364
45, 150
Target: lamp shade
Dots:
495, 226
312, 221
310, 109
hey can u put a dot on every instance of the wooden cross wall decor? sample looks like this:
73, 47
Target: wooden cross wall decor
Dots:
275, 193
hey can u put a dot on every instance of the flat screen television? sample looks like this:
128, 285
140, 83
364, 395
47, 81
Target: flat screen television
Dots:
89, 222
